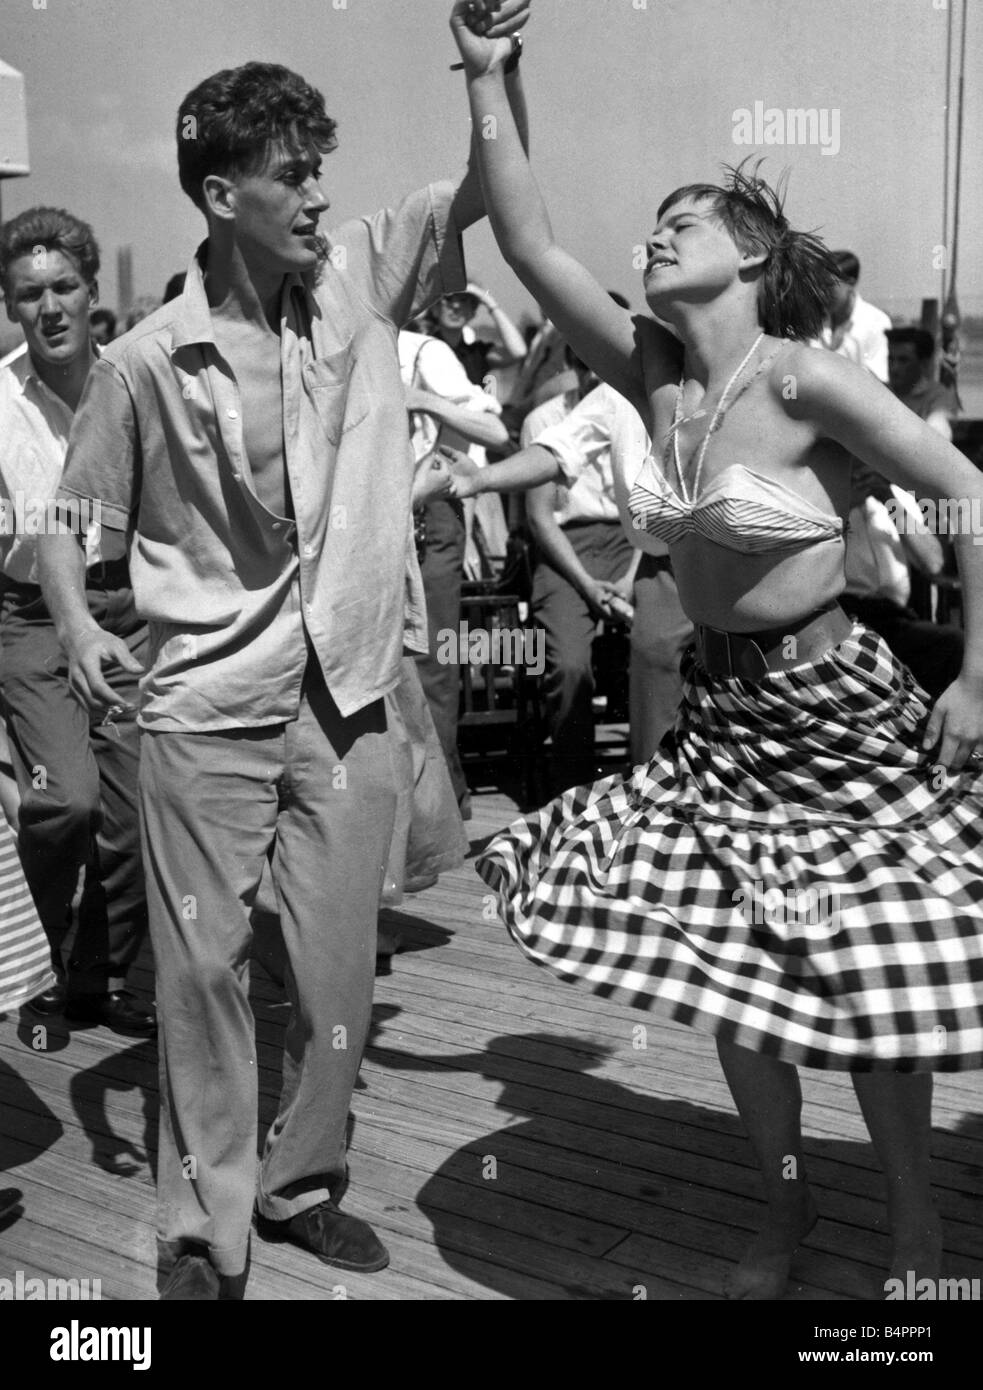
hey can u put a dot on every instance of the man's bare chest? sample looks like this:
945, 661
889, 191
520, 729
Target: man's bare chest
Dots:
255, 362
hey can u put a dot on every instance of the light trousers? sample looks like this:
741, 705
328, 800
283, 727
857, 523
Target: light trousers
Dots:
316, 799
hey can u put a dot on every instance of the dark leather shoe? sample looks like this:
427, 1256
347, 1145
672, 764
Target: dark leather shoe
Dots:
52, 1001
334, 1237
118, 1011
10, 1200
193, 1277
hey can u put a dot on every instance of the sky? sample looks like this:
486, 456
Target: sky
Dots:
628, 99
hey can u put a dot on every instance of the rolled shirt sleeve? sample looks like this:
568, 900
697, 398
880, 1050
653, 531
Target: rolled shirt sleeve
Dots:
580, 437
403, 258
604, 421
103, 460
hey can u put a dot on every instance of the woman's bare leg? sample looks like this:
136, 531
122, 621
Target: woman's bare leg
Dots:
769, 1100
897, 1108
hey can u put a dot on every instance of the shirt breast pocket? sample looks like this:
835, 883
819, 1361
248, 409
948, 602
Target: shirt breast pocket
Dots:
337, 391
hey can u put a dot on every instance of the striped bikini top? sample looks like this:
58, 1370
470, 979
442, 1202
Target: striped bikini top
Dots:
740, 510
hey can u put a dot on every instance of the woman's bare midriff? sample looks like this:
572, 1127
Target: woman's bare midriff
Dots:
743, 593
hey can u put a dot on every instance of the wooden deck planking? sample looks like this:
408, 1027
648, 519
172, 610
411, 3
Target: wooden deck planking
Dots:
615, 1169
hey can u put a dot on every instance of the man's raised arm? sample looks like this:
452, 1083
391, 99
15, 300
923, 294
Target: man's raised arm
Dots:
469, 202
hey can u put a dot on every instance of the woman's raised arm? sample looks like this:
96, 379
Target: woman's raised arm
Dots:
600, 332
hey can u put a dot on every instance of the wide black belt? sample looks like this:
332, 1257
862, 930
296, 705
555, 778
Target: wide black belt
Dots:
751, 655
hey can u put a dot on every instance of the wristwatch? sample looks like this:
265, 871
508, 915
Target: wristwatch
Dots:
511, 62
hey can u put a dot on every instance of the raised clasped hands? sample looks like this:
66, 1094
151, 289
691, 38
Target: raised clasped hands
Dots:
483, 31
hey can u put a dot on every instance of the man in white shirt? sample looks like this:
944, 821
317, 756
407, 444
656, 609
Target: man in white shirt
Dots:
878, 578
596, 452
581, 553
445, 408
856, 329
78, 781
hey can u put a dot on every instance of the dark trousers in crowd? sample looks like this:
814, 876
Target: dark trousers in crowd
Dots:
660, 633
442, 568
933, 652
77, 777
313, 801
568, 680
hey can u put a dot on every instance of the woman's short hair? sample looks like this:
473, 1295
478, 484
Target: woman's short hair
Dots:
227, 124
797, 279
54, 229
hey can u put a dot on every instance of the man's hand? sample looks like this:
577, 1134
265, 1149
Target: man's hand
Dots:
606, 602
483, 30
465, 474
598, 595
88, 655
624, 588
461, 472
449, 475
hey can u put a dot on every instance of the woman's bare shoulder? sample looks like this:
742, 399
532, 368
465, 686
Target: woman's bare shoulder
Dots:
804, 375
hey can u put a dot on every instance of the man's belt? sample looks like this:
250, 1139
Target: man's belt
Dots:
751, 655
108, 574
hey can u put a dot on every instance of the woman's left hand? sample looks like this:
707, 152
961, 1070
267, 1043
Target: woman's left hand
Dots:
956, 724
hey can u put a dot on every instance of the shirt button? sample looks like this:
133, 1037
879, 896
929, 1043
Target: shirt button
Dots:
308, 550
277, 526
237, 477
232, 414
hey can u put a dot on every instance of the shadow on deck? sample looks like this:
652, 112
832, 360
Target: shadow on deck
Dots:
513, 1139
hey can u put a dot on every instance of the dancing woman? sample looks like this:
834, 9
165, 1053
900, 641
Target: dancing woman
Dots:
805, 761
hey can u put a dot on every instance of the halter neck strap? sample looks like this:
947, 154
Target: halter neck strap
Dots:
716, 419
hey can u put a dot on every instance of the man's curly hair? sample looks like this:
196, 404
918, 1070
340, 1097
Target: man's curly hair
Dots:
228, 123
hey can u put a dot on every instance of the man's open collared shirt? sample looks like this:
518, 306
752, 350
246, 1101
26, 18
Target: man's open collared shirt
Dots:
34, 429
232, 592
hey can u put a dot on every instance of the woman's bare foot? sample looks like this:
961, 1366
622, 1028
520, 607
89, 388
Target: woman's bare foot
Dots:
763, 1272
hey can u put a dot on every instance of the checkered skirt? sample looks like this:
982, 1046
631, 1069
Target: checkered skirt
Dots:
790, 873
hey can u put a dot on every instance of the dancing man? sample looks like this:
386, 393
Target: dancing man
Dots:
249, 440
